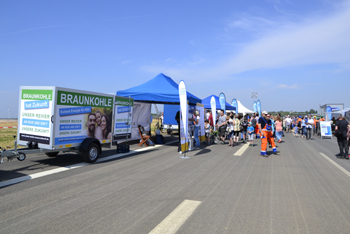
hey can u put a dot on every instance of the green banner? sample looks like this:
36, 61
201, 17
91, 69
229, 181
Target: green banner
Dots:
82, 99
37, 94
122, 101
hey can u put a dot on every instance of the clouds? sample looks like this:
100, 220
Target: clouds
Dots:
284, 86
314, 40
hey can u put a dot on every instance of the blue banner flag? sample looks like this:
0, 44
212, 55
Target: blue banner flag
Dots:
222, 100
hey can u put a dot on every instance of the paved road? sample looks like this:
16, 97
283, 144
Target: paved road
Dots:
298, 191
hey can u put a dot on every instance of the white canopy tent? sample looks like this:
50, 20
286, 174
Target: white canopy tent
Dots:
345, 112
242, 109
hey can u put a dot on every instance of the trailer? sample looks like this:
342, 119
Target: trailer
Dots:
55, 119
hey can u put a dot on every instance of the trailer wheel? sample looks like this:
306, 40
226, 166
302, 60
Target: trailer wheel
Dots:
21, 156
91, 155
52, 154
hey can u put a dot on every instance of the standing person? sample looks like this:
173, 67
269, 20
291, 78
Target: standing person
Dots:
177, 118
322, 119
303, 126
161, 119
257, 133
221, 125
236, 128
196, 128
231, 132
250, 130
211, 121
318, 127
253, 120
266, 134
244, 126
272, 118
207, 131
298, 122
341, 126
288, 121
207, 114
309, 124
333, 124
279, 129
314, 125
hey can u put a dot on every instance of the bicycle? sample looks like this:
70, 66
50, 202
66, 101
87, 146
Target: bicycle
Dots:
11, 154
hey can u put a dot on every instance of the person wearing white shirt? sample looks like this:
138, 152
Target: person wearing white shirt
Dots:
207, 114
231, 134
310, 123
288, 121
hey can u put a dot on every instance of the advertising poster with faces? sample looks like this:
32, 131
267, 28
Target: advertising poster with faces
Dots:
80, 115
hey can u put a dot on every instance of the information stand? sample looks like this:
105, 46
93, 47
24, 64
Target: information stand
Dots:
326, 129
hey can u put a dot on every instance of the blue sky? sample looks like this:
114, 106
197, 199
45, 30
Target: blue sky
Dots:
295, 54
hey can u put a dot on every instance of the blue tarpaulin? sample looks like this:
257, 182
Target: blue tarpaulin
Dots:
206, 103
169, 114
161, 89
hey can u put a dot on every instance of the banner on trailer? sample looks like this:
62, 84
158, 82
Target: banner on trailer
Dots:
35, 119
235, 104
222, 100
329, 113
201, 133
123, 108
254, 107
326, 128
184, 113
80, 115
213, 110
258, 106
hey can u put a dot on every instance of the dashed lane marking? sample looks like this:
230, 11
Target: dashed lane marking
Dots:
241, 150
336, 164
177, 218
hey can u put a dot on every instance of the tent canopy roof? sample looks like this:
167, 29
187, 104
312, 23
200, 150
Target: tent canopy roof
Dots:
242, 109
206, 103
161, 89
341, 111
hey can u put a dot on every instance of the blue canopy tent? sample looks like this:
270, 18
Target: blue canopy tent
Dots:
206, 103
161, 89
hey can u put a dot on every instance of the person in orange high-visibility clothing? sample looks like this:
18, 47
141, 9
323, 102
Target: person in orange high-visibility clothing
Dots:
315, 125
266, 133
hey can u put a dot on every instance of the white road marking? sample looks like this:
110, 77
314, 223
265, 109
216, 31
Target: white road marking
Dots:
177, 218
241, 150
336, 164
70, 167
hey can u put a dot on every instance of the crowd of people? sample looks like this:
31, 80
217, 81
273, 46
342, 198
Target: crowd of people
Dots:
237, 128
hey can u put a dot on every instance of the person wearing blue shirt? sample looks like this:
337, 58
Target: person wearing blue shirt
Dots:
250, 131
303, 126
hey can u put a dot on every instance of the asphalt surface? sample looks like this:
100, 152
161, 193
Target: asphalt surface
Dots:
297, 191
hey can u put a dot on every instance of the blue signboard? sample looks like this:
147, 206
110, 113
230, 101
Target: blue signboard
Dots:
258, 105
222, 100
235, 104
